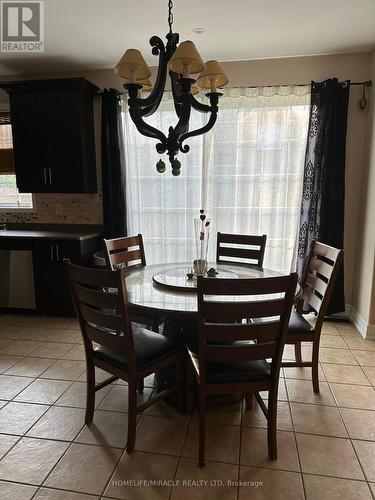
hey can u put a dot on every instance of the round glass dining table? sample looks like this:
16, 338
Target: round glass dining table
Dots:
179, 300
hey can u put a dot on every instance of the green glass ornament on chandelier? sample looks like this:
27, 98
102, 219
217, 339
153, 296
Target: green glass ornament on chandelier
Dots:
176, 167
160, 167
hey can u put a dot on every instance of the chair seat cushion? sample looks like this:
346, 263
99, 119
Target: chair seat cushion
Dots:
149, 347
298, 325
241, 371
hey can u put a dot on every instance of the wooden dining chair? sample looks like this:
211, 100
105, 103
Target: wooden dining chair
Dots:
128, 253
114, 345
319, 277
251, 251
231, 355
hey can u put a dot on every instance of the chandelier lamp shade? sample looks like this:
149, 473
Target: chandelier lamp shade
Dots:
188, 74
133, 67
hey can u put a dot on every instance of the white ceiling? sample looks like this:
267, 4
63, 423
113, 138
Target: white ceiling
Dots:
93, 34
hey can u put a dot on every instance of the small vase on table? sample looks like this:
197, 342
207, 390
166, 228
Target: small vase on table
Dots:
202, 234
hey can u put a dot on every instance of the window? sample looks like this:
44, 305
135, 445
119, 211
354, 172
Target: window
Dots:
10, 198
247, 174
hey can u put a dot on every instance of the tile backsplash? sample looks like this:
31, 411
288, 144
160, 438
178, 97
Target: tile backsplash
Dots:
59, 208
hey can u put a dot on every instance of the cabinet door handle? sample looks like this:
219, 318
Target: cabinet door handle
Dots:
45, 175
57, 252
51, 252
50, 175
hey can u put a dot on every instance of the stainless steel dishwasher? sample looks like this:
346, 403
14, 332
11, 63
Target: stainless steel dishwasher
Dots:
16, 277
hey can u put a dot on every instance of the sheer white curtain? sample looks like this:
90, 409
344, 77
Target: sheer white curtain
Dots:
246, 173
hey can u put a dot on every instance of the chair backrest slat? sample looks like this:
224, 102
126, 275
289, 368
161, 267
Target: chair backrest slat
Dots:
267, 330
222, 321
320, 267
312, 299
121, 251
242, 253
107, 339
253, 286
231, 311
253, 352
102, 319
316, 283
253, 256
116, 244
126, 257
92, 277
100, 298
326, 251
241, 239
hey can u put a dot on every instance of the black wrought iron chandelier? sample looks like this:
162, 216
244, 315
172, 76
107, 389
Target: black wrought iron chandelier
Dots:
181, 62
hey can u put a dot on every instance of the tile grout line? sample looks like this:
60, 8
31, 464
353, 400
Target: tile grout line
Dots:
182, 449
94, 496
242, 409
295, 442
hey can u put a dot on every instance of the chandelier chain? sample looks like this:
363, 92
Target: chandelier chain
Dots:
170, 15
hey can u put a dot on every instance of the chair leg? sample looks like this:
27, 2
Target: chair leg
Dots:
179, 389
202, 426
132, 416
90, 392
249, 397
298, 352
141, 385
271, 424
189, 389
315, 367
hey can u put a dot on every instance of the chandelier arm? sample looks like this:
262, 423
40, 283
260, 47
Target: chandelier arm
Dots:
214, 101
149, 104
176, 92
183, 122
143, 127
198, 131
198, 106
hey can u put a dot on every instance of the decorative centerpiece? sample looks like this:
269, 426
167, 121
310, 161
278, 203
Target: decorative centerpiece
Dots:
190, 274
202, 235
211, 273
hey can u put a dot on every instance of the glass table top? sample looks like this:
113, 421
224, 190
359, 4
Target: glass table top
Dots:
145, 295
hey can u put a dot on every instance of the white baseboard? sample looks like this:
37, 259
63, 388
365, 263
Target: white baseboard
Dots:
365, 329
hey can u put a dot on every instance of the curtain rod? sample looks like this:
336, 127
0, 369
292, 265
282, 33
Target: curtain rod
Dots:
368, 83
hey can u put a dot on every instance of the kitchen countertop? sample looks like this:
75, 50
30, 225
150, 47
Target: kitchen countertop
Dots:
51, 235
57, 232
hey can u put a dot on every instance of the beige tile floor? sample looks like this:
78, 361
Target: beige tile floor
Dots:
326, 442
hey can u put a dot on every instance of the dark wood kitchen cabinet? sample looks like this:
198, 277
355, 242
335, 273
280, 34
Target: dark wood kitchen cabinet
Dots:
52, 290
53, 135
